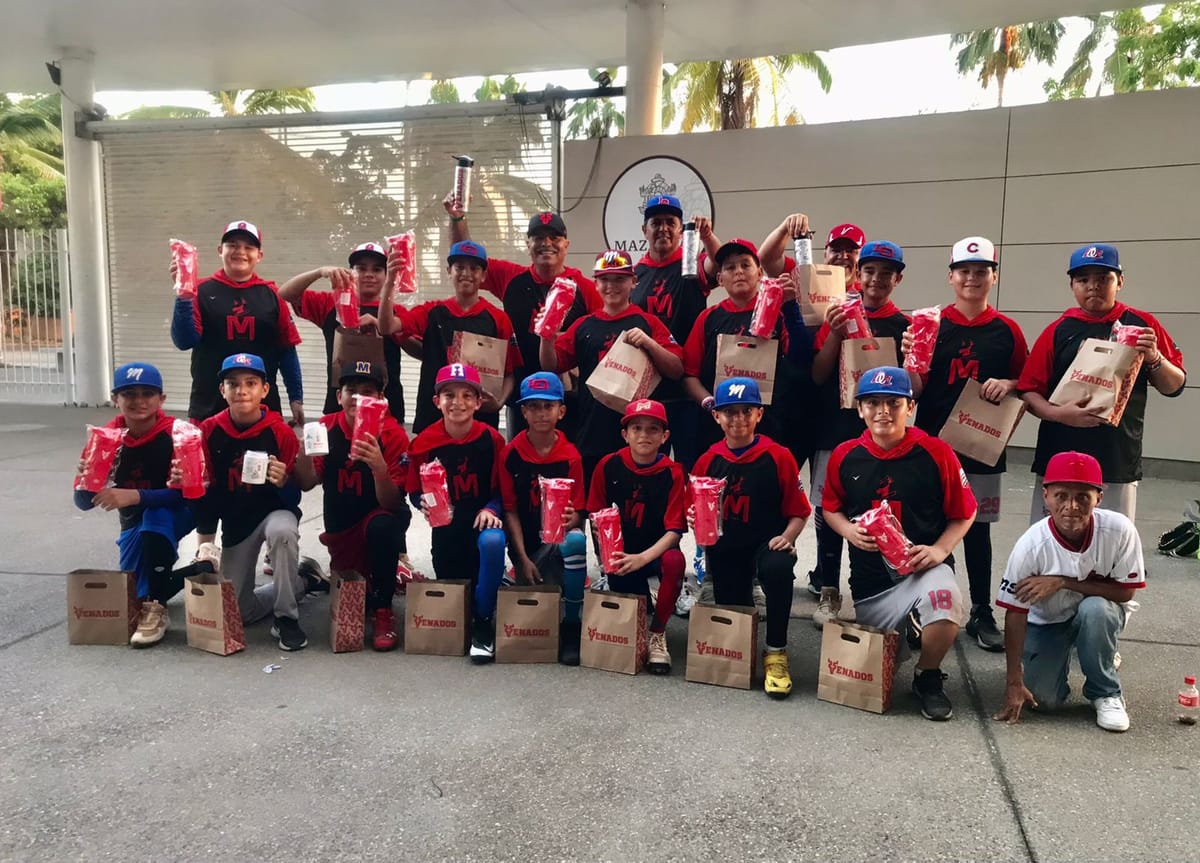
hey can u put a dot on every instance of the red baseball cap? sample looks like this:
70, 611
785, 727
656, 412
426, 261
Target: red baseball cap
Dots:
736, 246
1074, 467
457, 373
645, 408
847, 231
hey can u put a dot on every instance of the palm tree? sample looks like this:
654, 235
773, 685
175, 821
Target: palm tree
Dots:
31, 135
265, 101
725, 94
995, 51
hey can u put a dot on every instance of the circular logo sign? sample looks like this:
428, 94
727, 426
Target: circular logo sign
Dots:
655, 175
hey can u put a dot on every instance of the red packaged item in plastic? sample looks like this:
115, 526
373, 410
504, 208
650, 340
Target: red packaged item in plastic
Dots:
706, 504
98, 458
924, 329
608, 528
406, 245
1125, 334
767, 308
346, 308
556, 495
189, 456
368, 418
856, 318
883, 526
554, 311
187, 269
435, 493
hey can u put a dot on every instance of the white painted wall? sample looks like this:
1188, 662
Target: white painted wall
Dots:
1038, 180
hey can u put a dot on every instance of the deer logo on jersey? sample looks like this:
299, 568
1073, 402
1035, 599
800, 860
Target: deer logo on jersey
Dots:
965, 365
465, 483
885, 491
735, 504
635, 507
658, 301
238, 325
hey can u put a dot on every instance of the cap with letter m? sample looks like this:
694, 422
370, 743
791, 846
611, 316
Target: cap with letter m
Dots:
136, 375
613, 261
363, 370
737, 391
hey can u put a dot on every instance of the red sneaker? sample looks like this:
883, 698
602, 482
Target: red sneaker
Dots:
406, 573
385, 630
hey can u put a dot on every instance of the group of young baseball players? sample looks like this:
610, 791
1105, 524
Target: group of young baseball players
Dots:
1068, 583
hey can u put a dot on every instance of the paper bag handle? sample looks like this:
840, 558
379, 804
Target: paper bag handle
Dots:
1102, 349
850, 636
750, 346
435, 593
608, 603
196, 591
718, 619
527, 601
868, 345
95, 585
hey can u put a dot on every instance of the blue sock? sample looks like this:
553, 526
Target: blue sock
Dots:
574, 554
491, 571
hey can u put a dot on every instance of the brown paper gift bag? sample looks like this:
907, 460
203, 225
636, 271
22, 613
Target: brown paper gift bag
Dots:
818, 286
214, 622
748, 357
858, 356
625, 374
722, 645
436, 617
347, 611
102, 606
614, 632
1101, 375
351, 346
527, 624
858, 666
488, 355
980, 429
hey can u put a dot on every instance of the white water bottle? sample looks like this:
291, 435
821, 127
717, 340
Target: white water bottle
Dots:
462, 182
691, 252
802, 249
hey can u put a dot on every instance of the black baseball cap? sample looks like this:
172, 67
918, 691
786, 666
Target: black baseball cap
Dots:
362, 370
547, 223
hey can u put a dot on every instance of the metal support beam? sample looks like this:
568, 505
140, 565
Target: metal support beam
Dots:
644, 26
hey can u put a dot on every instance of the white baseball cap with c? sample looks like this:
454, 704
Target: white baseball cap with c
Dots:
973, 250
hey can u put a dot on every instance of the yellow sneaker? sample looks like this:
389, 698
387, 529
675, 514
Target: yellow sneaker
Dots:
152, 624
778, 683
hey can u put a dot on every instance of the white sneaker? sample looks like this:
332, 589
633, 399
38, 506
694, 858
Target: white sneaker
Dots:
706, 594
152, 624
828, 607
1110, 713
760, 601
208, 551
683, 605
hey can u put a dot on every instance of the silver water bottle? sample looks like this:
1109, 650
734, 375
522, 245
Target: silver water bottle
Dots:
462, 182
802, 249
691, 251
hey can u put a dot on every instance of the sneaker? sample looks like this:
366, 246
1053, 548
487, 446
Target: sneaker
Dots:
659, 660
778, 678
1116, 660
152, 624
814, 582
706, 596
289, 633
1110, 713
828, 607
209, 553
982, 628
385, 637
568, 642
483, 641
406, 573
927, 687
315, 579
686, 601
760, 601
912, 631
599, 582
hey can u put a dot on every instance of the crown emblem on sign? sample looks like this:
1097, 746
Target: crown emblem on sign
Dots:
657, 186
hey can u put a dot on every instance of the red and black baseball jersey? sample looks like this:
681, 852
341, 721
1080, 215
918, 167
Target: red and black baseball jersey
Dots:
584, 345
838, 424
236, 317
523, 296
521, 465
1118, 449
990, 345
241, 507
319, 308
347, 484
920, 479
662, 291
650, 497
144, 463
472, 468
762, 491
436, 324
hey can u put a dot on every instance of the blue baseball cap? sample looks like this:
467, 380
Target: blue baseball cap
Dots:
467, 249
737, 391
882, 250
884, 381
656, 204
136, 375
243, 363
541, 387
1095, 255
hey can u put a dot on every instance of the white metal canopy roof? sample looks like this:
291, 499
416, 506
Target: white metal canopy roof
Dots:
190, 44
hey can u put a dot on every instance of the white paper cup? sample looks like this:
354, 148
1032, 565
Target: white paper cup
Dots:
254, 467
316, 439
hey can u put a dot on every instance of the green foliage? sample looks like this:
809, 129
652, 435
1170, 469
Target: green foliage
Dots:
595, 118
444, 92
32, 201
30, 137
37, 293
491, 91
725, 94
996, 51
